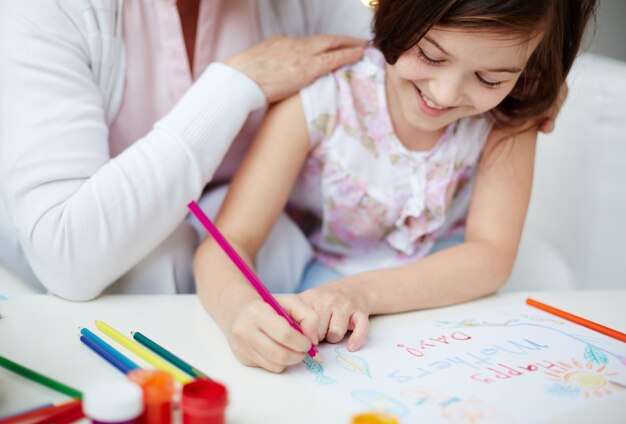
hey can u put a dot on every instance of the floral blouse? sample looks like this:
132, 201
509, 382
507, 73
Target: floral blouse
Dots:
380, 204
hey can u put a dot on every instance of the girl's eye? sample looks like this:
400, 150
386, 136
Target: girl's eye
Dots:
422, 55
488, 84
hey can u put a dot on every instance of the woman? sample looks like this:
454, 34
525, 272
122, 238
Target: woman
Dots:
113, 115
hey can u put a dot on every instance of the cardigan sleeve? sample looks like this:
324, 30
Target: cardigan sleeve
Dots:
83, 218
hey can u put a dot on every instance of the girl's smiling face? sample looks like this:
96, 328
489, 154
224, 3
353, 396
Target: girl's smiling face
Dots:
453, 73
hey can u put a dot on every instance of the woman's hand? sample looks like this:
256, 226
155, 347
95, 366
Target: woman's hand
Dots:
282, 65
260, 337
340, 309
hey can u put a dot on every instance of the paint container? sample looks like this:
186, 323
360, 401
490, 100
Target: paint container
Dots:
204, 401
113, 402
374, 418
158, 390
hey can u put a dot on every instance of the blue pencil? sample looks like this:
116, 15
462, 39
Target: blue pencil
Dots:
125, 364
105, 355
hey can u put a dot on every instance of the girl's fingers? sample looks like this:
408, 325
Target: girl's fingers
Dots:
276, 353
322, 43
260, 360
323, 325
305, 316
263, 338
337, 327
360, 325
281, 332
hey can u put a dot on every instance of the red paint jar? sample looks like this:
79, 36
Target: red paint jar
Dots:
204, 402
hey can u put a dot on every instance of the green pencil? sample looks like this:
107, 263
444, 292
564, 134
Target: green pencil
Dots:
39, 378
168, 356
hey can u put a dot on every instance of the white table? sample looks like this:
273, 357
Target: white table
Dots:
41, 332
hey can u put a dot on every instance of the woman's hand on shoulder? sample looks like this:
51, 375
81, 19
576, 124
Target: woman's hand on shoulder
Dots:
283, 65
260, 337
340, 310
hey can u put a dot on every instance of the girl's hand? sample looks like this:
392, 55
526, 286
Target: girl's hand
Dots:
260, 337
340, 309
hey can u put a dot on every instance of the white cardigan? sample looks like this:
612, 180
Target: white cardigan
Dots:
82, 218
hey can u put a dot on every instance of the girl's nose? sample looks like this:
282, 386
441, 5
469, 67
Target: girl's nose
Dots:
446, 91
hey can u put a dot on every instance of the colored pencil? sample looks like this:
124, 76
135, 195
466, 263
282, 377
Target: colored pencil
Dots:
39, 378
245, 269
617, 384
578, 320
5, 417
43, 413
127, 364
142, 352
64, 416
105, 355
167, 355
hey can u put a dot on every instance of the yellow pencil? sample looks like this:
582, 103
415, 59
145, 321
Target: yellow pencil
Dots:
142, 352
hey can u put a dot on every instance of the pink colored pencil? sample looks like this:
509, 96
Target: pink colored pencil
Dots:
245, 269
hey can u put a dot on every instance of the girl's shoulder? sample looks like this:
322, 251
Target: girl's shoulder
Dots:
362, 81
359, 82
371, 67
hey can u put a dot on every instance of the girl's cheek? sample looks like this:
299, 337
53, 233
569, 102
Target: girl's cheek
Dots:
489, 101
408, 68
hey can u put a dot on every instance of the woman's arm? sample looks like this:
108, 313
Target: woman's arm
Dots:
83, 218
256, 197
475, 268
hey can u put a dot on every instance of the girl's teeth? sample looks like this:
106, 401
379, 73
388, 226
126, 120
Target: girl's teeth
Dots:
430, 103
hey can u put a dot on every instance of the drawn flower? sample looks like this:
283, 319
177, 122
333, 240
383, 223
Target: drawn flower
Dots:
579, 378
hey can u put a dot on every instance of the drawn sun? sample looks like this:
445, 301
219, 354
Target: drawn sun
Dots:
586, 378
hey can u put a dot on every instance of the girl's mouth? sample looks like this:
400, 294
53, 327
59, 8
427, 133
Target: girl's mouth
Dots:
428, 106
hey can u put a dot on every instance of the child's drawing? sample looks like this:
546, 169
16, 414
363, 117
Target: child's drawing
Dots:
352, 363
499, 366
593, 352
595, 355
380, 402
455, 409
316, 368
578, 378
471, 322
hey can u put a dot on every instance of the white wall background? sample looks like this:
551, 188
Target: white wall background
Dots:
610, 36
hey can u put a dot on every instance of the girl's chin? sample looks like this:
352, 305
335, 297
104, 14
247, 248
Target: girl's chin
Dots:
430, 125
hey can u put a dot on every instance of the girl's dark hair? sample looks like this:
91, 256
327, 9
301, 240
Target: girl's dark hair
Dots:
400, 24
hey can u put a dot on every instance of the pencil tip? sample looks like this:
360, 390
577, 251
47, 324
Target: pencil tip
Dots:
317, 357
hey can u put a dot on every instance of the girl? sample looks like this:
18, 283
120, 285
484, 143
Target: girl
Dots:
417, 161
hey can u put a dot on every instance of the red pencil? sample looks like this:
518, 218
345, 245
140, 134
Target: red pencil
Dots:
578, 320
245, 269
66, 416
44, 413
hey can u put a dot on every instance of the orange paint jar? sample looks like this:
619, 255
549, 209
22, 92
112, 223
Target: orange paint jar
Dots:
158, 390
